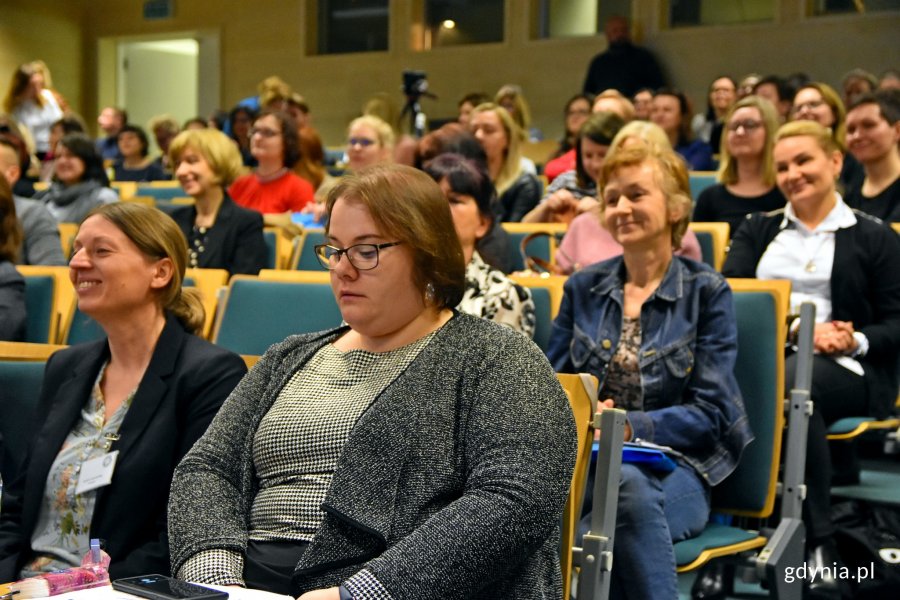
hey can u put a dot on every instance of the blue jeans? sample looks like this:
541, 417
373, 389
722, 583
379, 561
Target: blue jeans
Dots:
654, 511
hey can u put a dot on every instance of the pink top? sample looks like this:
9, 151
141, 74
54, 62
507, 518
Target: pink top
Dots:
288, 193
587, 242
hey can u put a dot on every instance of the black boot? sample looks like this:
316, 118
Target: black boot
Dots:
825, 562
715, 581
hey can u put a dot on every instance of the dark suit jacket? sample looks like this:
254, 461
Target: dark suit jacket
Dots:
235, 243
185, 384
865, 289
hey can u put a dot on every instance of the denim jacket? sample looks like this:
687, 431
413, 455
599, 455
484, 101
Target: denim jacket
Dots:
688, 347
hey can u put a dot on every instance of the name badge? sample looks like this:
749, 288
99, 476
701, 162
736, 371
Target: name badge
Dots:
96, 472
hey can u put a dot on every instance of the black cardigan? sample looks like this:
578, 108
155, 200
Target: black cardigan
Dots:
865, 289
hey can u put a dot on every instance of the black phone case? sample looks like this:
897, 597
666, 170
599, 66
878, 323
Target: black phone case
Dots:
193, 591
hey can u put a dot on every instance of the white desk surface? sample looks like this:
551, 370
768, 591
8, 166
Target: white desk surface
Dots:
107, 593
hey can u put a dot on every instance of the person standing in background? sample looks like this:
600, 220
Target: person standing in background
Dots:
624, 66
32, 105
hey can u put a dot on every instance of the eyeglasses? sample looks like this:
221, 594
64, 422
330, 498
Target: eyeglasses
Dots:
581, 112
363, 257
811, 105
360, 141
264, 131
747, 124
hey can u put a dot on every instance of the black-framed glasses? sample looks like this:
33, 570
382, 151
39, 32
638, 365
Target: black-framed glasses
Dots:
363, 257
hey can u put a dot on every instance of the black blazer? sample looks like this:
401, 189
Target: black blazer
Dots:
235, 243
865, 289
185, 384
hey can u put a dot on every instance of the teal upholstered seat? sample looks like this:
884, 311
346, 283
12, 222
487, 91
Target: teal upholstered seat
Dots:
21, 385
261, 313
40, 291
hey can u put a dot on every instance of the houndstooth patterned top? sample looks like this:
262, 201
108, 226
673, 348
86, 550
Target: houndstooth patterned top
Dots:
297, 446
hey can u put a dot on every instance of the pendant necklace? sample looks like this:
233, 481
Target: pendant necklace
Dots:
811, 263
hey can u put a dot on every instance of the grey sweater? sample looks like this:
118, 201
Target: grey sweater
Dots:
451, 485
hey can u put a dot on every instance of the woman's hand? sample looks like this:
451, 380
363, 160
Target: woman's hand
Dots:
834, 337
327, 594
562, 205
610, 403
586, 204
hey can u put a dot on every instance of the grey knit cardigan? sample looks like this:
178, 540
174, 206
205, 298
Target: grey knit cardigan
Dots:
451, 484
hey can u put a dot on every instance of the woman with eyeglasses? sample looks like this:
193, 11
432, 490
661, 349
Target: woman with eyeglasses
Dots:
413, 452
819, 102
220, 234
746, 171
708, 126
370, 141
273, 187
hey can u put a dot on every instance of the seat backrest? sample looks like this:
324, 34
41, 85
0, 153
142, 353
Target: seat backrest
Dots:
160, 192
64, 295
67, 233
307, 261
547, 294
700, 180
260, 313
713, 238
208, 282
20, 388
543, 246
83, 328
582, 410
761, 311
271, 238
42, 317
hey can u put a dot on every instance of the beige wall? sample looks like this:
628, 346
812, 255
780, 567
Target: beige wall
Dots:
266, 37
52, 33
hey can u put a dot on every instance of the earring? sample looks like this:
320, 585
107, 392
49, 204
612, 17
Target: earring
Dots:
429, 293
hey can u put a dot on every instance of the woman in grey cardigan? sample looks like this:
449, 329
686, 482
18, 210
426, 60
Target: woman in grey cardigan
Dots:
413, 453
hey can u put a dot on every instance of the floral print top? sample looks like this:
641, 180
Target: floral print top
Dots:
493, 296
62, 535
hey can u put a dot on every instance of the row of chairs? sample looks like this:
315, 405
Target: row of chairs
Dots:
760, 308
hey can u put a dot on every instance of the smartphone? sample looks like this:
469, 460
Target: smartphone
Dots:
160, 587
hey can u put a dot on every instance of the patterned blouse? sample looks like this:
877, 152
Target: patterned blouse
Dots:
623, 376
315, 412
62, 535
493, 296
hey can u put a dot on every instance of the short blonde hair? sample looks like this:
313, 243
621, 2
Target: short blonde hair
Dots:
626, 104
645, 131
381, 127
218, 149
822, 135
671, 176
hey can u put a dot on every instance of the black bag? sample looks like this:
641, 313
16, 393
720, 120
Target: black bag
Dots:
868, 539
